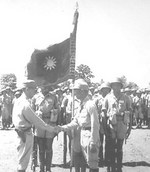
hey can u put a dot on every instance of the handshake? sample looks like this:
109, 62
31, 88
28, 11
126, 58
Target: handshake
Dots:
59, 128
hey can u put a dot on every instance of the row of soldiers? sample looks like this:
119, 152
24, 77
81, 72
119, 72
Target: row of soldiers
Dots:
7, 98
140, 101
105, 114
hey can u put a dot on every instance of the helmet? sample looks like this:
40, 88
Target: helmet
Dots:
80, 84
104, 85
116, 80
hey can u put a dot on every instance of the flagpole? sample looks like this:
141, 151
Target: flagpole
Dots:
72, 64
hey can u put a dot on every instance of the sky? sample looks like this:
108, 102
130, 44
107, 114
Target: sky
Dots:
113, 36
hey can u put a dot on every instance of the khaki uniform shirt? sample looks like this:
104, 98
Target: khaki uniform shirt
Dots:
115, 109
48, 104
23, 115
86, 116
99, 101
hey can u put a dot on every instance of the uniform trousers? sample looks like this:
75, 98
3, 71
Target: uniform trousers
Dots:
116, 152
34, 152
101, 147
45, 153
24, 151
91, 158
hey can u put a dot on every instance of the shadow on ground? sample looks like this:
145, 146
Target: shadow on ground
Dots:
134, 164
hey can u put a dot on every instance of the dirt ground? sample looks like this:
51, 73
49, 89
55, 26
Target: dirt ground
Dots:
136, 152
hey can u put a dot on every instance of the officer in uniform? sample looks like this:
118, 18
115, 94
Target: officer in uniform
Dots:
23, 119
104, 90
48, 111
117, 109
86, 118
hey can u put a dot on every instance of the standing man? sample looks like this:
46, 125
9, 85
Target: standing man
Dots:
103, 90
6, 108
48, 111
86, 118
23, 119
138, 109
117, 109
148, 107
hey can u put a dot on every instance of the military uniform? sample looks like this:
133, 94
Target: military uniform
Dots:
48, 111
23, 119
117, 114
87, 119
104, 89
148, 109
138, 109
6, 110
77, 158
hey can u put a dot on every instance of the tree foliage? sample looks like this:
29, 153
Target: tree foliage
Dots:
84, 72
132, 85
8, 80
123, 80
126, 84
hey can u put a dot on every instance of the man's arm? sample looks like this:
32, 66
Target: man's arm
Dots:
94, 122
35, 120
129, 115
73, 124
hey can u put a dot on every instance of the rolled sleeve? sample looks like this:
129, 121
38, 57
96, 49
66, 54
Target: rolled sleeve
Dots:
31, 117
94, 124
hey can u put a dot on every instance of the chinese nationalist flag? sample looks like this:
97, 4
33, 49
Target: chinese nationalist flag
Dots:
56, 63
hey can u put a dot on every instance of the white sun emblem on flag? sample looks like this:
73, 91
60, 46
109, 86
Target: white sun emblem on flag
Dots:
50, 63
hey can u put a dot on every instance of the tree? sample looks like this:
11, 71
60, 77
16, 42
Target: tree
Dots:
8, 80
132, 85
84, 72
123, 80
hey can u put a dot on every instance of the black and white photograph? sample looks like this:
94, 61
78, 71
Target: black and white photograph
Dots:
75, 85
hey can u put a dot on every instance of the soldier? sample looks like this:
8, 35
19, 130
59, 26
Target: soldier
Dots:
116, 109
36, 100
87, 119
128, 92
104, 90
23, 119
138, 109
66, 113
6, 108
77, 158
48, 110
148, 107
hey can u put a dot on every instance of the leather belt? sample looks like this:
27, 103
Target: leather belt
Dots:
86, 128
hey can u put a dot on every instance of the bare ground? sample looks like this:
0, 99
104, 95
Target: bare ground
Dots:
136, 152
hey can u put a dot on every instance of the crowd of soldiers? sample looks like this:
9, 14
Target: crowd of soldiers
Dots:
98, 124
7, 98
